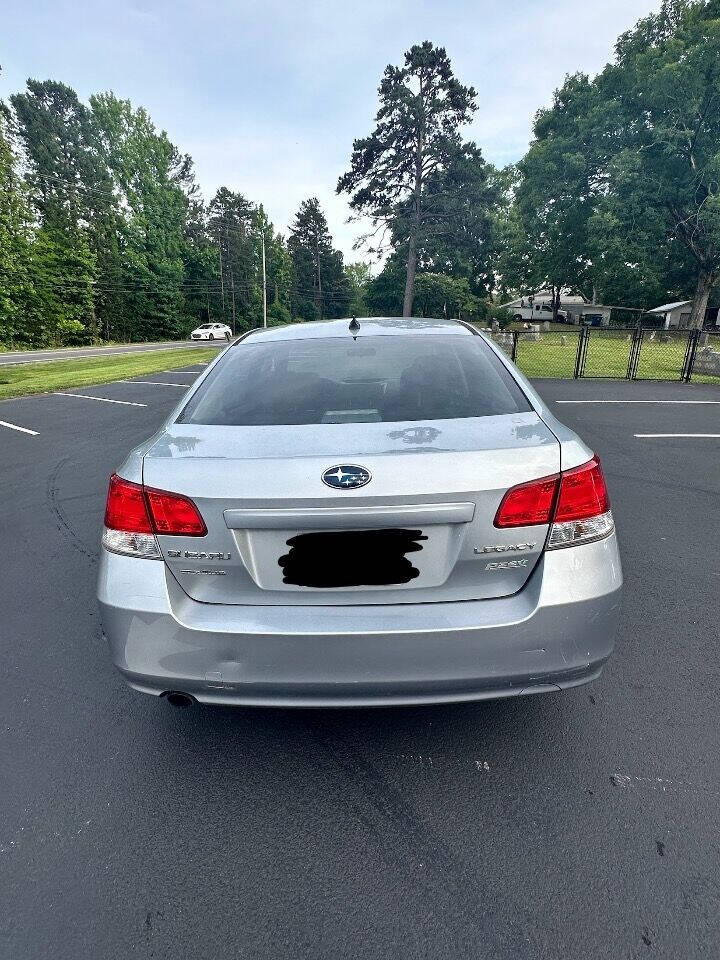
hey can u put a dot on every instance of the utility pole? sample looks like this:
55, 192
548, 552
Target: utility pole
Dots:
264, 277
232, 277
222, 285
317, 259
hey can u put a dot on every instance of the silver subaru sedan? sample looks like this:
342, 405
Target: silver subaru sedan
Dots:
359, 512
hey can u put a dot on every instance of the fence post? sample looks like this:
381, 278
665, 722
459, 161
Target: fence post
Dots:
635, 348
580, 355
513, 352
690, 351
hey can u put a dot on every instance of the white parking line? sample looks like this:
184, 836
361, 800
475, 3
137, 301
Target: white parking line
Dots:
85, 396
160, 383
638, 401
655, 436
14, 426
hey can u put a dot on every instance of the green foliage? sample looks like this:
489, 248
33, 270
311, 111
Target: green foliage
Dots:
384, 293
107, 236
619, 192
322, 289
501, 315
664, 95
412, 176
233, 226
437, 295
58, 312
104, 234
279, 267
14, 240
552, 191
278, 314
359, 277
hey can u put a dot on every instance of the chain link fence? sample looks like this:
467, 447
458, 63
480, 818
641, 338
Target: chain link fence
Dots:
627, 353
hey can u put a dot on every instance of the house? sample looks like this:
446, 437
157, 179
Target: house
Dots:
677, 315
573, 307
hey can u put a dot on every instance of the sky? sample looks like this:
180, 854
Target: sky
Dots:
267, 97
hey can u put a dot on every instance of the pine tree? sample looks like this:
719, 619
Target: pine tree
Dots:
415, 141
321, 288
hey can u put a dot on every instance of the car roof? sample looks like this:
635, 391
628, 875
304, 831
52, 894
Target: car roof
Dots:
368, 326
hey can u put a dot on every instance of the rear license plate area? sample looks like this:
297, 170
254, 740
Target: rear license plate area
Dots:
351, 558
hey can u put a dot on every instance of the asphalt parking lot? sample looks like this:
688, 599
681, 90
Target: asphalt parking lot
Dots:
578, 825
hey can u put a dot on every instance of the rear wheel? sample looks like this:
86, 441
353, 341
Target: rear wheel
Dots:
211, 336
517, 318
227, 337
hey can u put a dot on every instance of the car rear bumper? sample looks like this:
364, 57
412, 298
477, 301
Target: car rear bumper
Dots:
557, 632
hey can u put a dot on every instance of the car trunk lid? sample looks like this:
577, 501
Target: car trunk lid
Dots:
420, 531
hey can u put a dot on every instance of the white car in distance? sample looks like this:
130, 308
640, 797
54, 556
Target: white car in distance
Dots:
211, 331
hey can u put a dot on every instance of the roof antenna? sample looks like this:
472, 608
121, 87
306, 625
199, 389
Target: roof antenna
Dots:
354, 328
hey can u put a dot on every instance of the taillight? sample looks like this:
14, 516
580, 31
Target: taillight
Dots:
575, 502
582, 493
126, 508
174, 514
134, 514
528, 504
583, 509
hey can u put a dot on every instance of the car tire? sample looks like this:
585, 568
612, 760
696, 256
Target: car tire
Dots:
211, 336
517, 318
227, 337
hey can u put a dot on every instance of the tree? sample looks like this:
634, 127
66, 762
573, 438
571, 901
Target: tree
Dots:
200, 269
664, 89
108, 233
416, 139
459, 225
443, 296
554, 189
68, 189
279, 269
234, 229
359, 276
321, 286
57, 311
155, 185
14, 240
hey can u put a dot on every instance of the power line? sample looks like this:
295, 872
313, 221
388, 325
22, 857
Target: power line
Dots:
198, 287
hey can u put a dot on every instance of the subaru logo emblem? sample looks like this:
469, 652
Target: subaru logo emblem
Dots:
347, 476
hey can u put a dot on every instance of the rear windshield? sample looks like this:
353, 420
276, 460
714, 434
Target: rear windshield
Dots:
334, 380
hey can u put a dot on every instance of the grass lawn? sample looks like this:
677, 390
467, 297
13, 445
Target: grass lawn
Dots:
607, 356
16, 381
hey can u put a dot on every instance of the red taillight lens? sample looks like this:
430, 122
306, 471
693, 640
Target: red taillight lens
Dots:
136, 509
174, 514
528, 504
583, 493
126, 508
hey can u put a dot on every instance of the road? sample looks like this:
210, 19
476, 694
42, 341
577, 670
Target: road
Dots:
578, 825
72, 353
